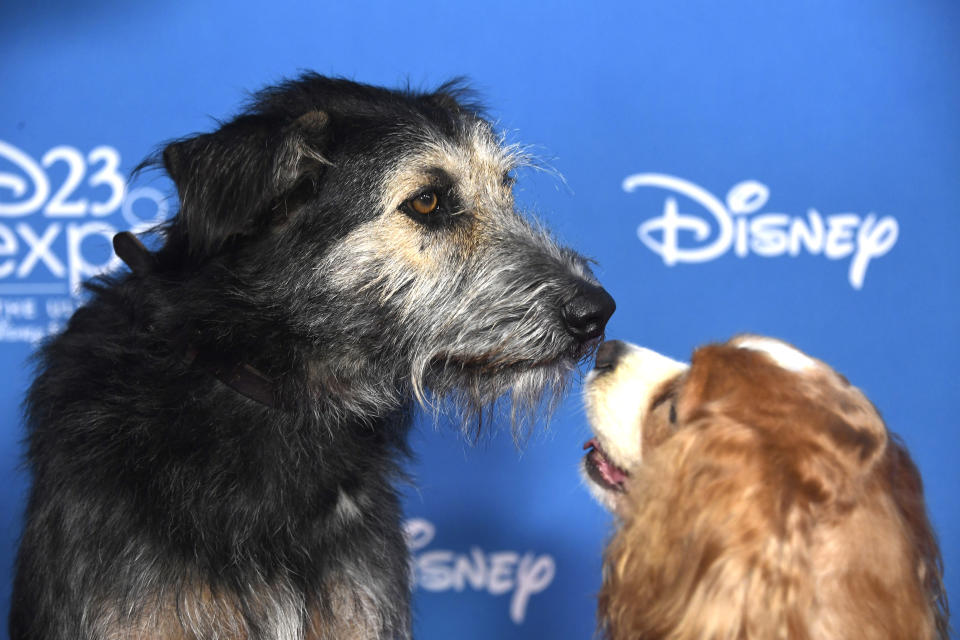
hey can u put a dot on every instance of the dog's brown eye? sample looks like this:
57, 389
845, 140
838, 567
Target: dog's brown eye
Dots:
673, 413
425, 203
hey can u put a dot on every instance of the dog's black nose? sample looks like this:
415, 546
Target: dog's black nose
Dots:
586, 315
609, 354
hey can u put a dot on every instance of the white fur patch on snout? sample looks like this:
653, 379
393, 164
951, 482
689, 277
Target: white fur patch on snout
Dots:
783, 354
617, 401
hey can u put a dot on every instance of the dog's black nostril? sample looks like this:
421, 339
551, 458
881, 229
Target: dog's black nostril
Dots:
586, 315
609, 354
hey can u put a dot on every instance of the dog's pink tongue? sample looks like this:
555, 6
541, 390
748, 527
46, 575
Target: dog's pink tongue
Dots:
610, 472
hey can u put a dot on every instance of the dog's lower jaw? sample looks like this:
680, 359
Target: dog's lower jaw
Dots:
474, 390
478, 389
609, 497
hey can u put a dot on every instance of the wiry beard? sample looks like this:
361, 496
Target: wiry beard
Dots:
477, 397
523, 395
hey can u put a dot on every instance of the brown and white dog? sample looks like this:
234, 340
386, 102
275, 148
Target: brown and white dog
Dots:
758, 496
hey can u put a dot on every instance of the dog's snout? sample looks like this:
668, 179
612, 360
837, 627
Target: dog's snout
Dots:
609, 354
586, 314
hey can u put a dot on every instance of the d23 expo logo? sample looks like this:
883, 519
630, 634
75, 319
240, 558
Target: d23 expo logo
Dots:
57, 218
736, 224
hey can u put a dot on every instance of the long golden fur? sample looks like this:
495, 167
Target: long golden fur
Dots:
762, 498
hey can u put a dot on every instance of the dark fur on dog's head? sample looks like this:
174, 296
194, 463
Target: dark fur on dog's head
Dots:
760, 496
317, 168
255, 169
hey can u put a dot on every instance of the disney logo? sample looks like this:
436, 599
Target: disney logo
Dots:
497, 573
731, 224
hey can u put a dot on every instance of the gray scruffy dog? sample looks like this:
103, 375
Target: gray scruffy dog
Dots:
214, 437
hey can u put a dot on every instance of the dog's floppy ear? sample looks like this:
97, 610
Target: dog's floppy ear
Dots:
230, 181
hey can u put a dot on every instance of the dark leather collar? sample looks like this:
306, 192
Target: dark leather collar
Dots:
239, 376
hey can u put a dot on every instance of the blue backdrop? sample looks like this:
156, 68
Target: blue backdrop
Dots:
787, 168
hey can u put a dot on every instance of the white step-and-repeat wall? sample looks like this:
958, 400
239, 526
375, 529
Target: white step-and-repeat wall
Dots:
787, 168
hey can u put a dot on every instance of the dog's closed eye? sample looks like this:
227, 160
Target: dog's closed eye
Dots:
666, 399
